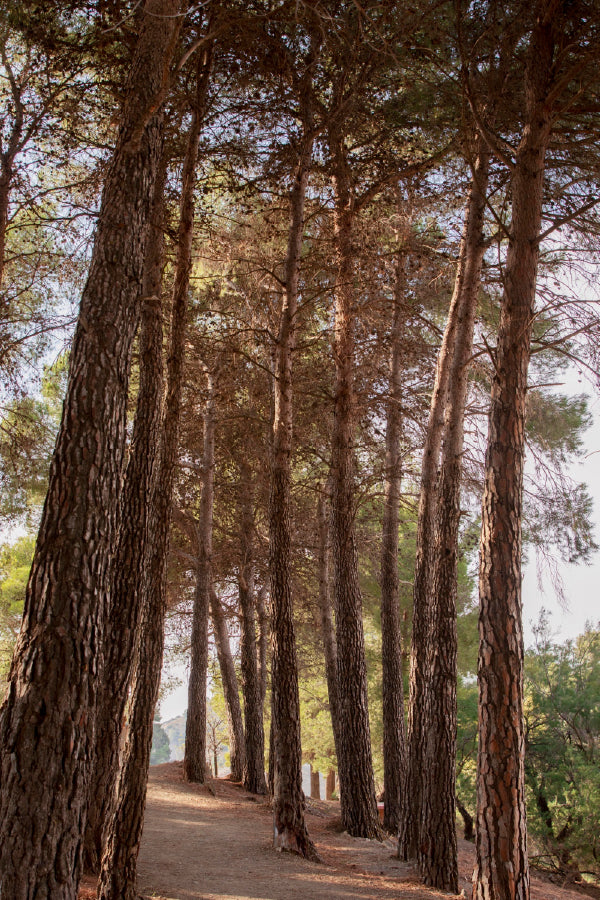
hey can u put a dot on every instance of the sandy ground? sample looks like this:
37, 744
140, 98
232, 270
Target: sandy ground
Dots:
216, 844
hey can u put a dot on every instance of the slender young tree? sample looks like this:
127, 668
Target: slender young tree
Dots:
394, 747
254, 772
194, 761
327, 623
235, 722
47, 720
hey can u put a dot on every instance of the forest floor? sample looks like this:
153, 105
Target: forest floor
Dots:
215, 843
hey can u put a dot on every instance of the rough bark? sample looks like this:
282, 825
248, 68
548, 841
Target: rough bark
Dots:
289, 828
119, 862
47, 720
502, 871
194, 761
254, 772
237, 750
327, 624
411, 793
394, 746
128, 589
355, 768
437, 848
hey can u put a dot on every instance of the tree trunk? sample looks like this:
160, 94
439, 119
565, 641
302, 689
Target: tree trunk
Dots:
437, 849
394, 748
290, 832
411, 794
254, 773
128, 591
327, 624
502, 869
263, 639
230, 689
194, 762
330, 785
119, 862
47, 723
355, 767
315, 784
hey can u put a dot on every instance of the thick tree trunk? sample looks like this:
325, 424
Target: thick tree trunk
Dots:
128, 591
237, 750
355, 767
289, 829
194, 761
47, 724
254, 772
437, 849
327, 624
119, 862
502, 870
394, 747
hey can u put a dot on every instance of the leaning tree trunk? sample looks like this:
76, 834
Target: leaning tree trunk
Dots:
254, 772
327, 623
119, 862
394, 746
237, 753
194, 760
502, 869
128, 590
290, 832
47, 723
357, 786
437, 850
408, 835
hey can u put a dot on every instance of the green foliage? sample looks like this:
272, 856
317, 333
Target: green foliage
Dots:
15, 563
161, 750
27, 434
562, 714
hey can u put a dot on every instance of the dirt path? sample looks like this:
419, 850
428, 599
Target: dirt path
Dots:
200, 846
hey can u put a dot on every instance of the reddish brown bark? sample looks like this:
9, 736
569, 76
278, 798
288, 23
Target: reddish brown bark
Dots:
437, 848
315, 784
47, 720
502, 870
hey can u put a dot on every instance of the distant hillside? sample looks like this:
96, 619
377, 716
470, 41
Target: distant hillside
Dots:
175, 728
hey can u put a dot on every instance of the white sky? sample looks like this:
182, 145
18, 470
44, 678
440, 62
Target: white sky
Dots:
581, 582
